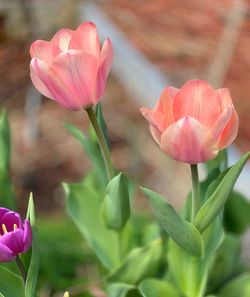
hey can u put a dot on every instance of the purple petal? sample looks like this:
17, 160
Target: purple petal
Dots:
14, 241
5, 253
11, 218
27, 236
2, 212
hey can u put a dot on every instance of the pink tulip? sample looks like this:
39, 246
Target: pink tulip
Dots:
194, 123
72, 68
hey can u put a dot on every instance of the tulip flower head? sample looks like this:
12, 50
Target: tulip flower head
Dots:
194, 123
72, 68
15, 236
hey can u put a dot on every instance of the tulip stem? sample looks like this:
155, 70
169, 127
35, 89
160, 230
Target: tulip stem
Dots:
195, 191
21, 268
102, 142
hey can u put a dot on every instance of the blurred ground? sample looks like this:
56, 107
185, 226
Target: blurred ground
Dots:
181, 38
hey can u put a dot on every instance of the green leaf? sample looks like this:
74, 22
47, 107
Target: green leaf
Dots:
220, 162
116, 207
11, 284
92, 149
213, 237
226, 262
5, 147
140, 263
188, 273
156, 288
181, 231
239, 286
102, 123
217, 200
1, 295
7, 196
31, 282
84, 207
236, 204
31, 216
119, 289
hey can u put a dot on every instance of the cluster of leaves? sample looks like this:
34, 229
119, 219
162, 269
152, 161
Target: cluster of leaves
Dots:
159, 266
137, 257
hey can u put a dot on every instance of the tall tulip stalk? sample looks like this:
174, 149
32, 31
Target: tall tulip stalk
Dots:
186, 254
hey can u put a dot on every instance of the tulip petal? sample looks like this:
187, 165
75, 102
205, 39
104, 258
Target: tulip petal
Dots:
198, 100
230, 132
165, 105
85, 38
11, 218
78, 71
189, 141
6, 254
3, 211
48, 83
14, 241
106, 59
221, 122
27, 236
225, 98
44, 50
156, 121
62, 38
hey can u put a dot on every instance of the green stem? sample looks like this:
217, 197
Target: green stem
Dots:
102, 142
195, 190
21, 268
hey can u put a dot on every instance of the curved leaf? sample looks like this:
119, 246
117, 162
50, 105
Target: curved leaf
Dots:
240, 286
181, 231
217, 200
140, 263
156, 288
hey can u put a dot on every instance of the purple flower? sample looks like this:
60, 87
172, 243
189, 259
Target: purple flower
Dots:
15, 235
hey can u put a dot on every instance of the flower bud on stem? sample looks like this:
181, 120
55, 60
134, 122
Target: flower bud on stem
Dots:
102, 142
195, 191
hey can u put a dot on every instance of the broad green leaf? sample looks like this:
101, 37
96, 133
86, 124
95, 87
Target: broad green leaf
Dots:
156, 288
11, 285
226, 262
92, 149
181, 231
1, 295
119, 289
84, 207
30, 286
102, 123
236, 204
116, 207
140, 263
187, 273
240, 286
217, 200
213, 237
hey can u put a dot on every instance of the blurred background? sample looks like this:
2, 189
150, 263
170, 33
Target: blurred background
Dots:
156, 43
